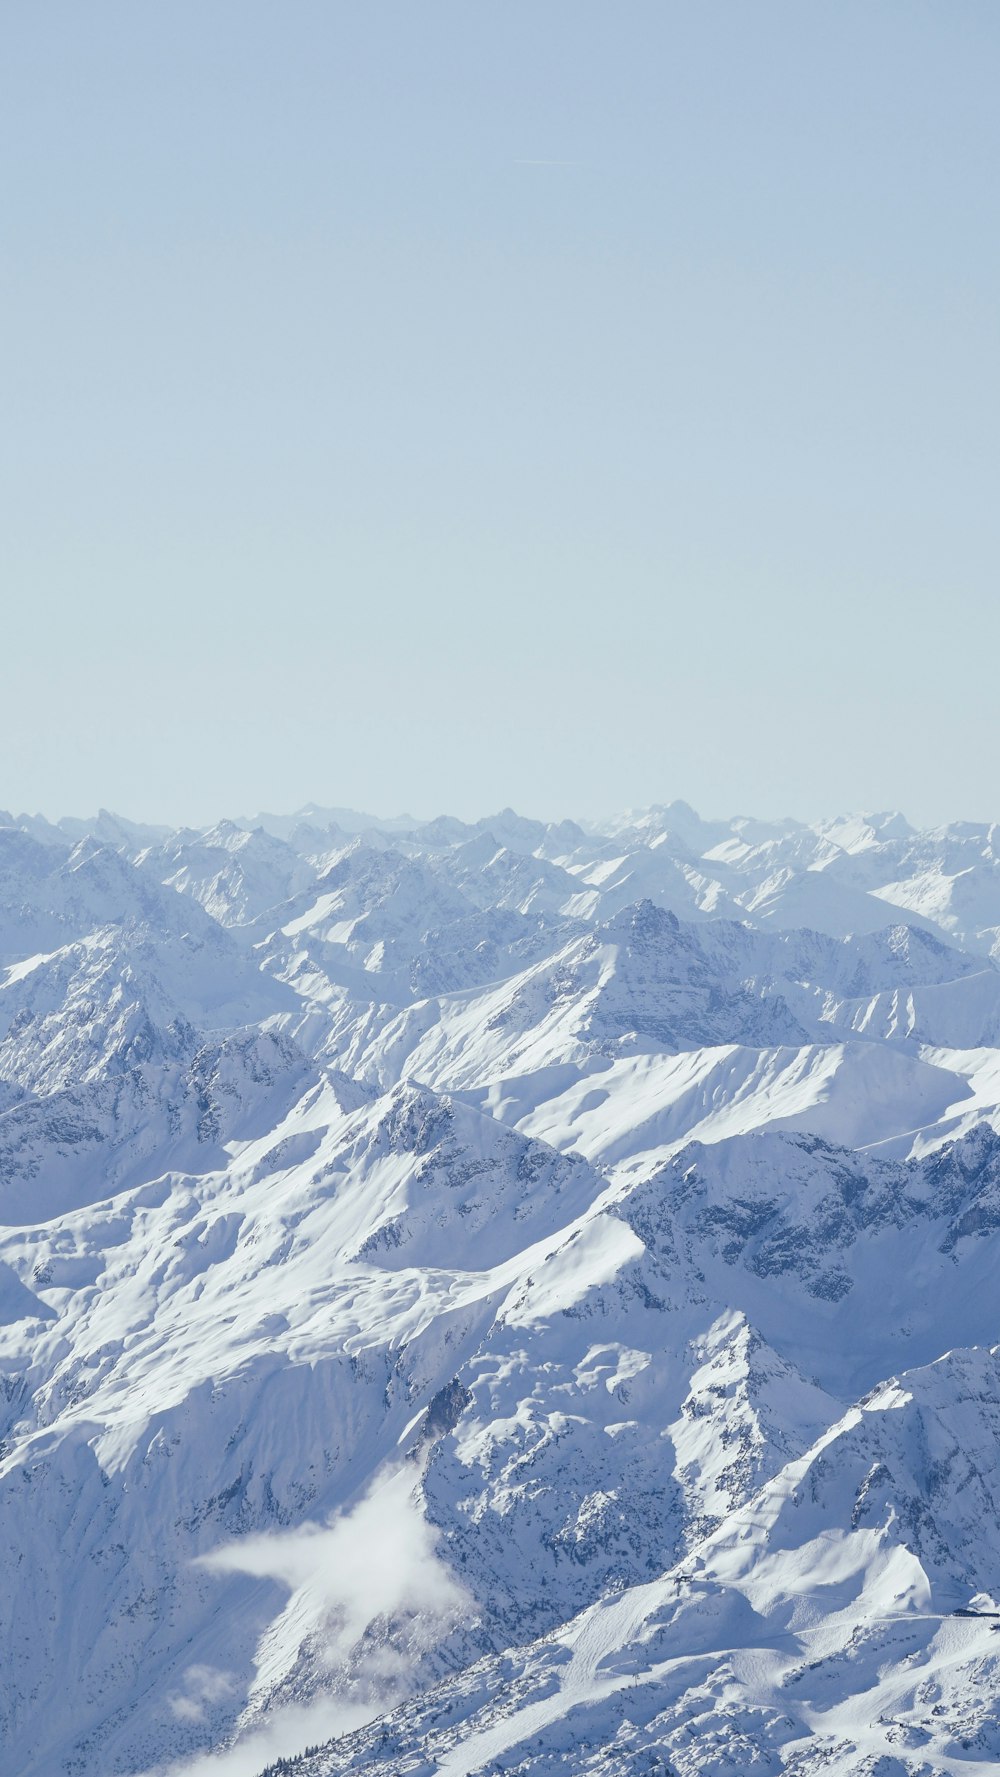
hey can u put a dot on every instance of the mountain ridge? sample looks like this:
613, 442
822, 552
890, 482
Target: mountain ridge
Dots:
499, 1295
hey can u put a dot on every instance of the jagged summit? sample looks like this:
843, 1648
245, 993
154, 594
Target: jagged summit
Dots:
499, 1295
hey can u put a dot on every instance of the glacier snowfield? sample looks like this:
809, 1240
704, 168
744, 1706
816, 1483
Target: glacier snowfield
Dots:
499, 1297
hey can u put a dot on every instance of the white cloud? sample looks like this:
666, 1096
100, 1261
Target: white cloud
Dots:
374, 1565
201, 1686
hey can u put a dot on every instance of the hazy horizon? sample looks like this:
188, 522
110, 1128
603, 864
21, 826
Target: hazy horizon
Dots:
591, 822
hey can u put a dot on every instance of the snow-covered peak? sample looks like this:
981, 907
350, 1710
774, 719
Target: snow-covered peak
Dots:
499, 1295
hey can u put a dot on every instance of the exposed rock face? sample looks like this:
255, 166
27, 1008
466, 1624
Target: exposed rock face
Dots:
500, 1297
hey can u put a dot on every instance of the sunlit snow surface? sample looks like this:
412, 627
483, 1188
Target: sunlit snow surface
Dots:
499, 1297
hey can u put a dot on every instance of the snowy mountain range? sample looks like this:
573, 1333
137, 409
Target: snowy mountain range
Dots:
499, 1297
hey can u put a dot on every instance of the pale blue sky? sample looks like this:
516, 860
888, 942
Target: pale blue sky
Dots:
444, 405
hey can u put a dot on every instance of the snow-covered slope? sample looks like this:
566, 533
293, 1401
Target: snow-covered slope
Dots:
499, 1296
